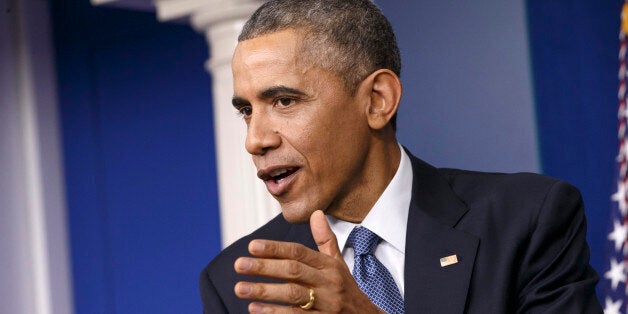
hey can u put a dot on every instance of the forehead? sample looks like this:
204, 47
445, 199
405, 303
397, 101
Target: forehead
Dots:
269, 61
279, 48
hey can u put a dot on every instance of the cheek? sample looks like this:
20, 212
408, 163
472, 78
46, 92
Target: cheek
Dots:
332, 149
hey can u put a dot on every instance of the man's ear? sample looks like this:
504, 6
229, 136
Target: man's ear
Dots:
385, 95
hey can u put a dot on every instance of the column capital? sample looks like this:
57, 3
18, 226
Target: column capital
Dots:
209, 11
230, 11
204, 13
220, 21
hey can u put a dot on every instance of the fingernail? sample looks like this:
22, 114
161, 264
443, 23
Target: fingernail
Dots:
256, 308
257, 246
244, 264
243, 289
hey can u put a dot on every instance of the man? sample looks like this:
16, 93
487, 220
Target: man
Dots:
366, 227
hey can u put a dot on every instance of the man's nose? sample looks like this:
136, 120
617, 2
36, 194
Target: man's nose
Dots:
261, 135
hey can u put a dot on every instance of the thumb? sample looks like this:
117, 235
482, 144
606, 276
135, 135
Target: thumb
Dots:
323, 236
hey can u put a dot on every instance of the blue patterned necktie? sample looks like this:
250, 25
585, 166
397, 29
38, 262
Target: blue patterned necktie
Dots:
371, 275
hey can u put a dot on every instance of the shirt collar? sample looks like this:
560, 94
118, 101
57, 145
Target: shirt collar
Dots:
388, 218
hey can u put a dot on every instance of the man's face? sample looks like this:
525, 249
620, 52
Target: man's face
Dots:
309, 137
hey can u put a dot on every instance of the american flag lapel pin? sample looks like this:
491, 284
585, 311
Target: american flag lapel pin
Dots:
448, 260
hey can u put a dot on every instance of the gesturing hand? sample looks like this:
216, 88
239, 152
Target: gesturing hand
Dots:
302, 269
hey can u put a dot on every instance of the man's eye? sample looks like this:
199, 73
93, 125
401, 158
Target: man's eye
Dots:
245, 111
285, 101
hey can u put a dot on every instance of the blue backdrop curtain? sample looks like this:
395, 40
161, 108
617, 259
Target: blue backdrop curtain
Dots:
574, 47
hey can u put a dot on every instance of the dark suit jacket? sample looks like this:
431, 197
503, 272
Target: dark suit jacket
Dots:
519, 239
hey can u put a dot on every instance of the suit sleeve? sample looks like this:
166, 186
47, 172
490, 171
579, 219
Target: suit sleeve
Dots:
555, 275
212, 303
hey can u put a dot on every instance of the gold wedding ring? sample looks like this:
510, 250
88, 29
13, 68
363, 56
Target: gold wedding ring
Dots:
310, 303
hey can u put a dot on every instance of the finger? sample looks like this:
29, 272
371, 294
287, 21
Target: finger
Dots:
286, 250
288, 293
258, 308
323, 236
284, 269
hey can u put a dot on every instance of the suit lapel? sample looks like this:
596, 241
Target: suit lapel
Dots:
434, 212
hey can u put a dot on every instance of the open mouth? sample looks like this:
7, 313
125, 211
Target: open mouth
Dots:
278, 175
278, 180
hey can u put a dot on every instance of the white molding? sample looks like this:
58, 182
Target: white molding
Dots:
230, 12
141, 5
175, 9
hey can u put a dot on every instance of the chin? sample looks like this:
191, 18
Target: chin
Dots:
296, 215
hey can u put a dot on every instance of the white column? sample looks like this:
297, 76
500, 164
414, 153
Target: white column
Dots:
34, 255
244, 202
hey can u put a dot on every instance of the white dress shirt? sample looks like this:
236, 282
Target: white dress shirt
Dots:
388, 219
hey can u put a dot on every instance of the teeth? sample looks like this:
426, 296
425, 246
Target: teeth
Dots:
278, 172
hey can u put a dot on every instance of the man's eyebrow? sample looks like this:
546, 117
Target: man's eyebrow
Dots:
238, 102
279, 90
271, 92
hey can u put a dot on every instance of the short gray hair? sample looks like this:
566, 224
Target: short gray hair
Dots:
350, 38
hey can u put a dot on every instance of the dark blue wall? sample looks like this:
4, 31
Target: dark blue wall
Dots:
467, 98
574, 47
139, 159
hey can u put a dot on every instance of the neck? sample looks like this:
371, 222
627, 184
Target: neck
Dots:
378, 170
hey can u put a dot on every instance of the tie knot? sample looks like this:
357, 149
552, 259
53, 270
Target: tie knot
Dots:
363, 241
